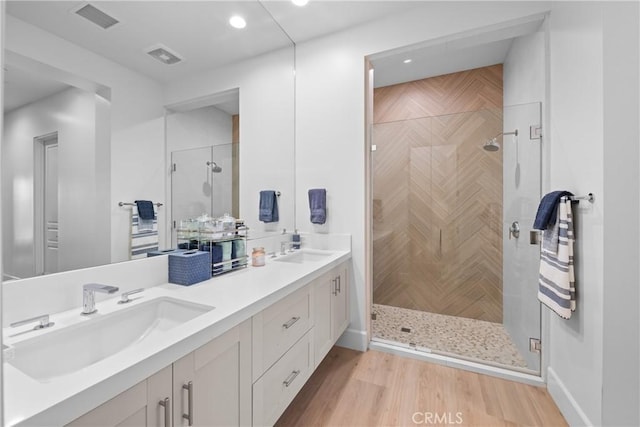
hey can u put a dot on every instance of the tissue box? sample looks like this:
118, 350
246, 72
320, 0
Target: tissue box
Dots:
163, 252
187, 268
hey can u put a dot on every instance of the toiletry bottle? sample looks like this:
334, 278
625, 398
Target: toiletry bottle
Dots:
296, 240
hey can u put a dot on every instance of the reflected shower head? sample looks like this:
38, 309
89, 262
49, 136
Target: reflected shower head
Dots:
491, 145
214, 167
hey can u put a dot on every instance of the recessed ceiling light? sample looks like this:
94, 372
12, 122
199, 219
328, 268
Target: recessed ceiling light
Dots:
406, 61
300, 2
237, 21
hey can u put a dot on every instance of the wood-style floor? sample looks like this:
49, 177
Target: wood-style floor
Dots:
351, 388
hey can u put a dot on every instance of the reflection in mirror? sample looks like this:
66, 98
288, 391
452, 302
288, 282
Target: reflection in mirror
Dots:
55, 168
203, 146
124, 137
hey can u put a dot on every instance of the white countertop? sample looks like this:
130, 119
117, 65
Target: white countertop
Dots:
236, 296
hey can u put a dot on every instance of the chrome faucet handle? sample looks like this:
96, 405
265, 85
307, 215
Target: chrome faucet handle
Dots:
89, 296
124, 298
43, 319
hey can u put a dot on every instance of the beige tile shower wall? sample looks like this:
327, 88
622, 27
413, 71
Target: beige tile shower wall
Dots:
438, 196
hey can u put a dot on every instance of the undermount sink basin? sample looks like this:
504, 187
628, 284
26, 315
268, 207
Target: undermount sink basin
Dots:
80, 345
305, 255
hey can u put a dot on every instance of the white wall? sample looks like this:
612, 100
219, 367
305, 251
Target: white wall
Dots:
81, 193
138, 174
621, 71
524, 83
330, 113
577, 149
266, 128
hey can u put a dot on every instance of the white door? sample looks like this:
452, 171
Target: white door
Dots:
46, 204
51, 207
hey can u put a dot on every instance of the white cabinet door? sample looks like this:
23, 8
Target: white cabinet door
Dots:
138, 406
322, 334
273, 392
339, 301
212, 385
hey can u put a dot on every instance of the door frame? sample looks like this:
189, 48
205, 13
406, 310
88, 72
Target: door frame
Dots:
40, 144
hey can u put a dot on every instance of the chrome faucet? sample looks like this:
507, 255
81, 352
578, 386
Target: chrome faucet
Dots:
284, 246
89, 295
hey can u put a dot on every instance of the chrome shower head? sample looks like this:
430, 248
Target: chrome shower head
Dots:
214, 167
491, 145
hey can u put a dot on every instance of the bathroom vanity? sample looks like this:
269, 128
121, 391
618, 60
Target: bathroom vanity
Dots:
233, 350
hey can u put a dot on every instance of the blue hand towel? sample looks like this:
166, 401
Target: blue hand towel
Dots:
318, 205
145, 209
216, 257
547, 210
268, 206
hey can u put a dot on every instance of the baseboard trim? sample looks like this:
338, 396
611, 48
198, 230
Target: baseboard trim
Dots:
568, 406
353, 339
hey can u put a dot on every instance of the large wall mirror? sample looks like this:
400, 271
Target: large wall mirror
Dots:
100, 101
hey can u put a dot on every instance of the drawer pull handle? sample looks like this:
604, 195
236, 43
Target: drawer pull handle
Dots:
335, 287
290, 322
167, 411
189, 415
292, 376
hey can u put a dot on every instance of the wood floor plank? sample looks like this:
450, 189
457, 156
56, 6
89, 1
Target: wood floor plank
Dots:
351, 388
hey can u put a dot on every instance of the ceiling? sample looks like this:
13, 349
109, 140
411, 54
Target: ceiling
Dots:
199, 32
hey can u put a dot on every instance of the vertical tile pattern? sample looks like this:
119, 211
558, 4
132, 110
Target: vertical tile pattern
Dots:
438, 195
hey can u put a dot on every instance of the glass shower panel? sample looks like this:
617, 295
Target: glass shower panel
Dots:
444, 269
399, 158
522, 192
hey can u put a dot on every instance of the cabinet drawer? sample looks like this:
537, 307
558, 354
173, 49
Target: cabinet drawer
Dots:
273, 392
278, 327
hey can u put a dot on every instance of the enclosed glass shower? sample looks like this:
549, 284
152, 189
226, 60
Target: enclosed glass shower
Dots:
454, 271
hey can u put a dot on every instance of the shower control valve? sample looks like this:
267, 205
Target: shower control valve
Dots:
514, 230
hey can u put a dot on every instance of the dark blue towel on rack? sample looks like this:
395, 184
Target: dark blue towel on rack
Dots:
268, 206
548, 208
145, 209
216, 257
318, 205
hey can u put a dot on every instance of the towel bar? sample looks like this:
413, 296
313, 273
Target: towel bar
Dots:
589, 197
133, 204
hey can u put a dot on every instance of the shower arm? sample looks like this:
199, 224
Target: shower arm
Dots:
515, 133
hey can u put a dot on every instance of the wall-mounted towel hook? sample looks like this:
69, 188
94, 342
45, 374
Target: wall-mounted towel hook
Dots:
277, 193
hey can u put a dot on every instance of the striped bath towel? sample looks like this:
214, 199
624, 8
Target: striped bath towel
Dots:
144, 236
557, 281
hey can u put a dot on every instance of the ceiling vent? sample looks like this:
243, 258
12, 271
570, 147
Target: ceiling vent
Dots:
164, 54
95, 15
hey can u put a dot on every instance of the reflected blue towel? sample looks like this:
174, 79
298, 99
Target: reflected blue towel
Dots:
145, 209
268, 206
318, 205
547, 210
